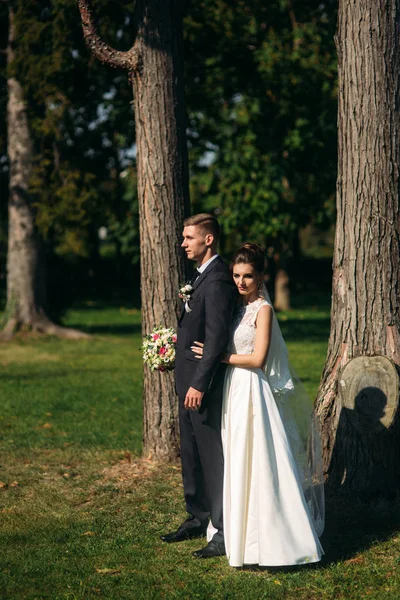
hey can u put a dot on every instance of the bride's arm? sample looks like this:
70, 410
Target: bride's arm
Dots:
257, 359
263, 337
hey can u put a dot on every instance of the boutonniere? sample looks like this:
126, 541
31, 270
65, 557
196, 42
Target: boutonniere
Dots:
185, 292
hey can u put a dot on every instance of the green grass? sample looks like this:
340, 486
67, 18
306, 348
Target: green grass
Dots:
81, 512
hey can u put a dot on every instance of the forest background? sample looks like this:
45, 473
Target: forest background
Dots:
260, 86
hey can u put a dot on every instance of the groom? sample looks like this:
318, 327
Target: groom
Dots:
206, 317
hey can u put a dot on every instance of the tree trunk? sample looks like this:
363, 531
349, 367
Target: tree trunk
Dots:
163, 200
25, 271
155, 64
365, 316
281, 288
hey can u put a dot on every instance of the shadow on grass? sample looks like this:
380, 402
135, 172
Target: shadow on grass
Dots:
312, 330
108, 328
354, 526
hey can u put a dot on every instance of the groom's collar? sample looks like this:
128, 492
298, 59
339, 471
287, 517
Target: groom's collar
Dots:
204, 266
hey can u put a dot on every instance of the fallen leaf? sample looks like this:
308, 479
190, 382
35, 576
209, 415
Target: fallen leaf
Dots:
108, 571
356, 560
14, 484
390, 574
276, 582
89, 533
47, 426
9, 510
2, 484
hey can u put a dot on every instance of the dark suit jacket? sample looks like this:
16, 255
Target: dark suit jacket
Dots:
212, 305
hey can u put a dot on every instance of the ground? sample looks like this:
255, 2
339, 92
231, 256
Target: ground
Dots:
81, 511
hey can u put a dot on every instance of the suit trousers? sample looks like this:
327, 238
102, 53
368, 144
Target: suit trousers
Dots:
203, 460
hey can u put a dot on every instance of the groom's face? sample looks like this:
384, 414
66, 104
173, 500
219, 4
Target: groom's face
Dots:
195, 242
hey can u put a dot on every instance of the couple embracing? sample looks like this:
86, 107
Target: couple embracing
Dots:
248, 485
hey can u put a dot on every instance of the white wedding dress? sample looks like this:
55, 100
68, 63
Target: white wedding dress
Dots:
266, 517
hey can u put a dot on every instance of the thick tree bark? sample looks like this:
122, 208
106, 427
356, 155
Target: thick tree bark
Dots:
163, 195
25, 272
156, 70
365, 317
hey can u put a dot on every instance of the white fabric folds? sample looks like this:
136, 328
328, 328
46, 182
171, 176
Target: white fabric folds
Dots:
266, 517
273, 482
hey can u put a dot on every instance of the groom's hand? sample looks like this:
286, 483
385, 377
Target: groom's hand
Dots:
193, 399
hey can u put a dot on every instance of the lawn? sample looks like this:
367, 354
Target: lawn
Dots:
81, 512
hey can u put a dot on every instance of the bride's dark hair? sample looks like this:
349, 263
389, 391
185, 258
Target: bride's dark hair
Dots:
250, 254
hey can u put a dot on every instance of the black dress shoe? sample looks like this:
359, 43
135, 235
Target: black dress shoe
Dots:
184, 533
212, 549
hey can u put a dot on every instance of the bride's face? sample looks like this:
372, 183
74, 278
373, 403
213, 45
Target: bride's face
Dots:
246, 280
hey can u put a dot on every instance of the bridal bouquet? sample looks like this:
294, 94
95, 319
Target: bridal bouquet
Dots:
159, 349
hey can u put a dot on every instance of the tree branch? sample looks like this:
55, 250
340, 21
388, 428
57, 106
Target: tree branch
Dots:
115, 58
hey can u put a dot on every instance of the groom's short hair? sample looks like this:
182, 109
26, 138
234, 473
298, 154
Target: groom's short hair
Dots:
207, 223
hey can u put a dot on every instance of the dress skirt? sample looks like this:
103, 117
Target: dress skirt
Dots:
266, 518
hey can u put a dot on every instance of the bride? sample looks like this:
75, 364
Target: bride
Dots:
273, 501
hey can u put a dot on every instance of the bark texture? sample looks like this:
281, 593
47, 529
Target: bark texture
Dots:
163, 196
156, 70
25, 272
365, 316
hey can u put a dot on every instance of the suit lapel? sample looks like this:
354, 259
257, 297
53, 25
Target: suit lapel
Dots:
198, 282
182, 314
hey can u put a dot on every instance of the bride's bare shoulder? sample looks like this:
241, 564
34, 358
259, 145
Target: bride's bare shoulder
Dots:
264, 314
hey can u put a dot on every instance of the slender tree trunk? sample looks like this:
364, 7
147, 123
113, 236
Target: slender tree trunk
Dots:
156, 70
282, 289
365, 317
25, 270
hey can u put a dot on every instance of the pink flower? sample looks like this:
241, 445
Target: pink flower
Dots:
174, 337
162, 350
155, 336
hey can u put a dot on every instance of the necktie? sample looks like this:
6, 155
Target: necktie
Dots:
194, 276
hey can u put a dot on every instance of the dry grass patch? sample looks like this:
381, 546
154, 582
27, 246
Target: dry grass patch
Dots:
127, 471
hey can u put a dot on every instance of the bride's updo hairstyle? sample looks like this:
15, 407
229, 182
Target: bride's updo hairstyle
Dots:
250, 254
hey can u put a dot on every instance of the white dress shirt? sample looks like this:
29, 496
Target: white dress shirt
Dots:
204, 266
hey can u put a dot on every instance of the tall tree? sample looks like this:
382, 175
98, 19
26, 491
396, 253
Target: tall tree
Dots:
26, 292
154, 64
365, 317
81, 126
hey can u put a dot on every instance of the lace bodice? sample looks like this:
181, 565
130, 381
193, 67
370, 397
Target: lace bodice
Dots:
243, 334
